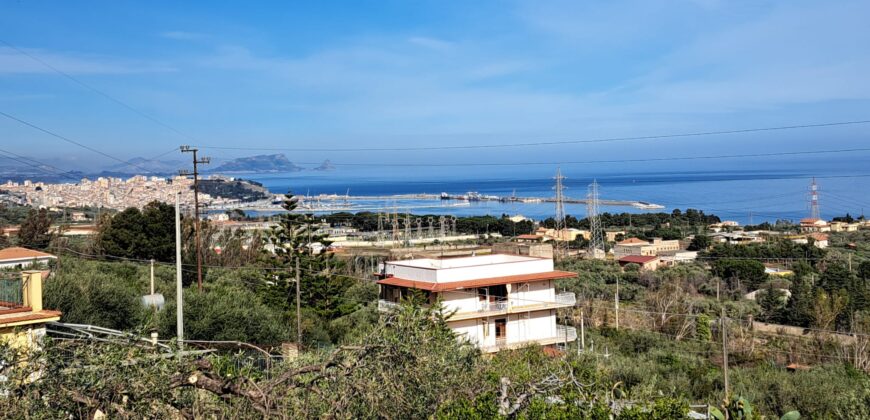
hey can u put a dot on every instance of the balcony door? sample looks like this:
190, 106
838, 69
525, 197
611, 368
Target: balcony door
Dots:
500, 330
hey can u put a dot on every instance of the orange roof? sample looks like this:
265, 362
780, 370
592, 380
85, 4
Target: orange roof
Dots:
811, 221
633, 241
470, 284
818, 236
638, 259
528, 236
13, 318
18, 253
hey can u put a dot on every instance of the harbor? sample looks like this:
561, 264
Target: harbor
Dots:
330, 203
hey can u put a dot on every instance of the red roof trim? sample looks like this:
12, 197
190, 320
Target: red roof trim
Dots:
469, 284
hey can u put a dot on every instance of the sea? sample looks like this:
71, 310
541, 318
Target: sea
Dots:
750, 194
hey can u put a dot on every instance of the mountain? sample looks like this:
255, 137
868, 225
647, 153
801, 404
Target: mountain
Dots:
143, 166
261, 163
325, 166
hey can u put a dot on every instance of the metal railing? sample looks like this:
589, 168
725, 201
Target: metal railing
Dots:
386, 305
566, 333
498, 305
566, 298
11, 293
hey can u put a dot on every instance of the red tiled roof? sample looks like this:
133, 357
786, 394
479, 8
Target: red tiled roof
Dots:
470, 284
638, 259
818, 236
18, 253
633, 241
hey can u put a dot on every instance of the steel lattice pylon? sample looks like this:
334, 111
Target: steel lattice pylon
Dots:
596, 247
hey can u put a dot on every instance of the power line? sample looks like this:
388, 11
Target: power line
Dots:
37, 165
588, 162
553, 143
97, 91
69, 140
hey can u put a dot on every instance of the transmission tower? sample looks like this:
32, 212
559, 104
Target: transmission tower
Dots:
419, 228
814, 200
431, 227
560, 241
380, 226
596, 232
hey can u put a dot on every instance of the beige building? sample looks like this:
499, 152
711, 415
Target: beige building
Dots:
635, 246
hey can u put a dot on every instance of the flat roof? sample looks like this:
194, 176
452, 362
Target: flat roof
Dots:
460, 262
469, 284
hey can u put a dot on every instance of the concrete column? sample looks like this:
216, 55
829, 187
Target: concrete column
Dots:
32, 285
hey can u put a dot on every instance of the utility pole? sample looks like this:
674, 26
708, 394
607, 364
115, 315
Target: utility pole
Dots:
196, 227
616, 300
724, 351
582, 331
298, 307
152, 276
179, 293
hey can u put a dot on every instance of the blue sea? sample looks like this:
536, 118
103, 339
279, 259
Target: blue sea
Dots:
749, 194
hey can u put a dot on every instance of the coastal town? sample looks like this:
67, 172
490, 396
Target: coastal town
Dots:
390, 210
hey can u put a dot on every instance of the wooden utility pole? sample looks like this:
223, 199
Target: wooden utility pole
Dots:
179, 292
298, 307
196, 227
723, 326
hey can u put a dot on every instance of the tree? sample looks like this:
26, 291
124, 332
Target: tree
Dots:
749, 273
772, 301
145, 234
294, 242
34, 231
699, 243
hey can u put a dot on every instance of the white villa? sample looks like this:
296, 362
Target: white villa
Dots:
498, 301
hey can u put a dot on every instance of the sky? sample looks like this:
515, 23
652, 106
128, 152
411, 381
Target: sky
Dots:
381, 74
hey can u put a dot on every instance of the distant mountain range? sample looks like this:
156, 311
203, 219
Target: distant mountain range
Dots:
25, 168
140, 165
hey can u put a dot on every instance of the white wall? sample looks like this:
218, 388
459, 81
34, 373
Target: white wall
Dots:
461, 300
427, 270
24, 262
533, 293
521, 328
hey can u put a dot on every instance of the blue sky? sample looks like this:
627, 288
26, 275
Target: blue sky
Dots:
402, 73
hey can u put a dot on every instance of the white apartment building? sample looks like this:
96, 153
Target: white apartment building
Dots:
497, 301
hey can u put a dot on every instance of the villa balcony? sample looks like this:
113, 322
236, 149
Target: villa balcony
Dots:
11, 293
512, 305
564, 334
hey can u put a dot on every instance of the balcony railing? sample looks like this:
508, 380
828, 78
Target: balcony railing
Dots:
499, 305
566, 333
11, 293
386, 305
566, 298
